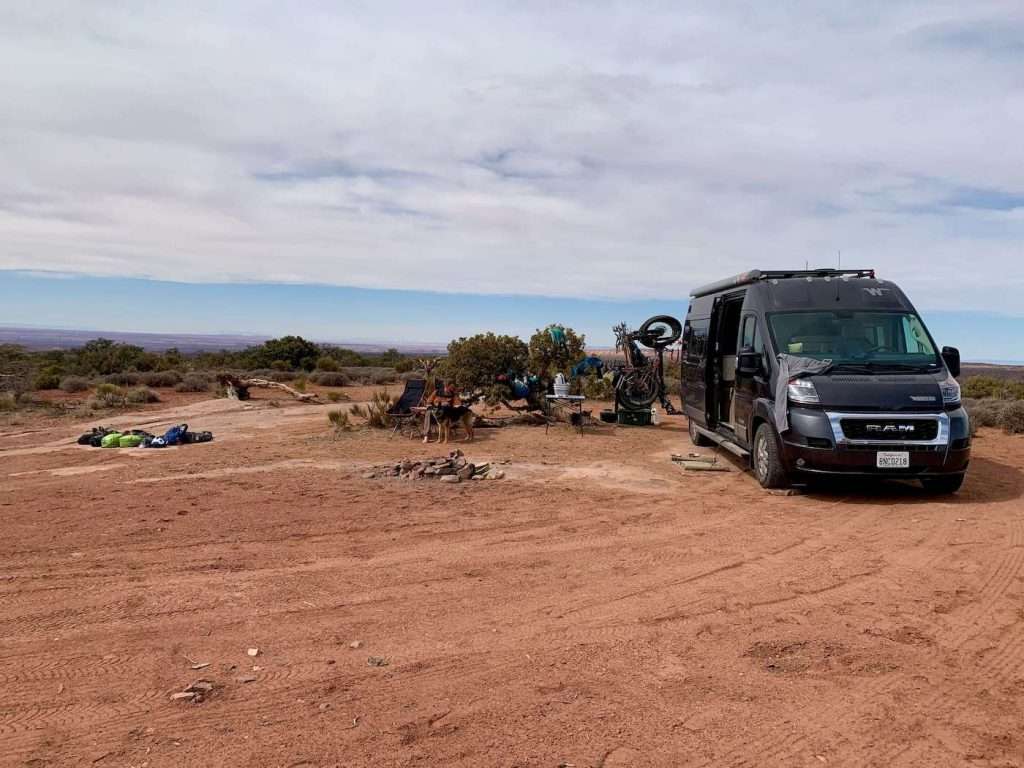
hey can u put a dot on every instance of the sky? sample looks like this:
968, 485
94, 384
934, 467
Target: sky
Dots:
602, 152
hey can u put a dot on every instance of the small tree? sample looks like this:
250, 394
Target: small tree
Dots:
549, 357
477, 361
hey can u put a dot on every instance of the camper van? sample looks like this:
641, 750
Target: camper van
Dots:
822, 372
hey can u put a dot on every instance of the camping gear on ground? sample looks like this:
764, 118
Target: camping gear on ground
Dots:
589, 364
175, 434
94, 436
561, 386
402, 413
130, 441
197, 437
571, 405
608, 416
654, 416
111, 440
634, 418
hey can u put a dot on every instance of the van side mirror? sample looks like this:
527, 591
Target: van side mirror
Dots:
951, 356
748, 362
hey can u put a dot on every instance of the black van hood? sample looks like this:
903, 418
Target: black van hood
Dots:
882, 392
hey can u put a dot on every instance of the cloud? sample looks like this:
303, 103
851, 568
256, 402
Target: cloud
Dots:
609, 149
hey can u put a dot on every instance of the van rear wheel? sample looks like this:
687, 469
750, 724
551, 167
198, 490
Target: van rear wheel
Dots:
766, 460
696, 437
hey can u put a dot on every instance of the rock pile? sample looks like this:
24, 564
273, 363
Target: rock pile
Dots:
453, 468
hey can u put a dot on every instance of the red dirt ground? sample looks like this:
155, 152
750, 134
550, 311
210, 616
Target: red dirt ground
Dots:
598, 607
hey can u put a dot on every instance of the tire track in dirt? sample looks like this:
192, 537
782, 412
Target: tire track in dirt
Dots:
785, 740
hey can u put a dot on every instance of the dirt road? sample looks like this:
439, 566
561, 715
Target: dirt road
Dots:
598, 607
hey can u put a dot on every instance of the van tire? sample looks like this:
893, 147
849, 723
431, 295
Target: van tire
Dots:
765, 459
696, 437
942, 485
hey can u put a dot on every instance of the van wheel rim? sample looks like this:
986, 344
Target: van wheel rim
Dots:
761, 455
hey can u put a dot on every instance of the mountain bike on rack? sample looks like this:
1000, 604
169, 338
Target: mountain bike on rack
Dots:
641, 381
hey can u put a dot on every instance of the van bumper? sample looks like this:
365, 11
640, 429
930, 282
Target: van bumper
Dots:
811, 447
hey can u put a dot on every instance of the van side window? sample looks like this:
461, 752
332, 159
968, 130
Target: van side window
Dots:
750, 338
696, 339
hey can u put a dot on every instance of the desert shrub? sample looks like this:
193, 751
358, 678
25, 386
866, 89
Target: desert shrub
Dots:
983, 387
138, 395
386, 376
1012, 418
74, 384
336, 397
330, 379
358, 411
405, 365
326, 363
339, 419
193, 382
8, 402
300, 384
122, 378
160, 378
281, 376
597, 388
476, 362
46, 380
548, 357
107, 395
377, 410
985, 413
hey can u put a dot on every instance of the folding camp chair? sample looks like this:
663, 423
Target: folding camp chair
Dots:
404, 412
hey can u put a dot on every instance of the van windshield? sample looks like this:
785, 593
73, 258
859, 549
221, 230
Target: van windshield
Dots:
895, 340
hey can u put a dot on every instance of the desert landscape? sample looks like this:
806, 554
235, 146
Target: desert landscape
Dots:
257, 600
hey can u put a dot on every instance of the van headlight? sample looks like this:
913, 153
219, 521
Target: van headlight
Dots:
950, 389
802, 391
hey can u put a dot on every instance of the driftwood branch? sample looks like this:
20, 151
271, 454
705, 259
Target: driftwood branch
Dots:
238, 388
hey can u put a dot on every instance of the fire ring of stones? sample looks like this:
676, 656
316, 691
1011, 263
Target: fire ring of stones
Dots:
453, 468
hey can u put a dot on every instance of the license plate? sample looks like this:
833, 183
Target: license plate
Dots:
892, 460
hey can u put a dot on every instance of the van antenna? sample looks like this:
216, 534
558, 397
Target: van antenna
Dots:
839, 259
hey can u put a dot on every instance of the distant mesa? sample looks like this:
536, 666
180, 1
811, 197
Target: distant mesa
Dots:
56, 338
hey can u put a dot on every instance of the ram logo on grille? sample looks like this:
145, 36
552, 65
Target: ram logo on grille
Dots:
889, 428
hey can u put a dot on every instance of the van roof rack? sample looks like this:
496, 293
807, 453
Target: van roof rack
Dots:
746, 278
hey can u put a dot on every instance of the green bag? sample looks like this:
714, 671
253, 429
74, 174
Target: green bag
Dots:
113, 440
130, 441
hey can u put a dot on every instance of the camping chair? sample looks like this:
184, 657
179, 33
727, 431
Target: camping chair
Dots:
403, 412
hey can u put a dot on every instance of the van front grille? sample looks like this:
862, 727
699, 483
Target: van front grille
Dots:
889, 429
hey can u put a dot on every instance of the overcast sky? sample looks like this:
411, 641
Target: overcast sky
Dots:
618, 150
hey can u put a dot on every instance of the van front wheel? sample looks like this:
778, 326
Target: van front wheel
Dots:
766, 461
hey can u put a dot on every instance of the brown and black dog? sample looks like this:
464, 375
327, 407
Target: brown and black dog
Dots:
448, 415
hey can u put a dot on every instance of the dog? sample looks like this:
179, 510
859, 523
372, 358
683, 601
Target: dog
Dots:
448, 415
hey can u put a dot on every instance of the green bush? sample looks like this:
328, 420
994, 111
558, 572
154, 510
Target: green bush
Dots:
8, 402
74, 384
193, 382
377, 410
984, 413
107, 396
357, 410
300, 384
339, 420
325, 363
548, 358
597, 388
140, 395
1012, 418
330, 379
475, 362
46, 381
160, 378
984, 387
336, 397
122, 378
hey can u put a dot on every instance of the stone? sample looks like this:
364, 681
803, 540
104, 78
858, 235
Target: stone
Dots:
451, 479
466, 472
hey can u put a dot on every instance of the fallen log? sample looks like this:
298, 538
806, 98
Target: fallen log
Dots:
238, 388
